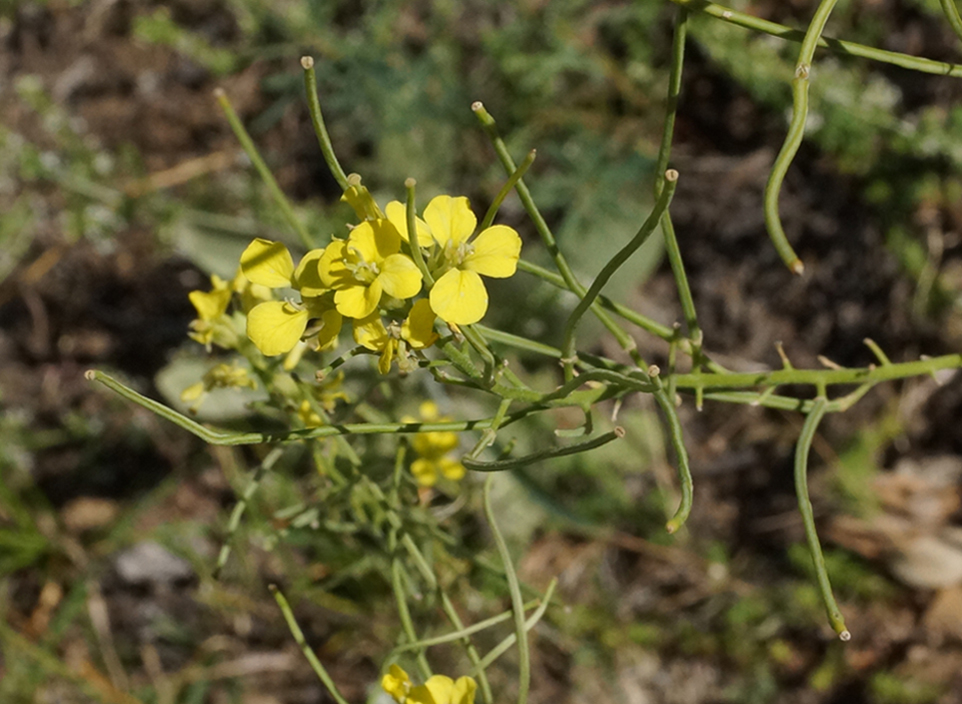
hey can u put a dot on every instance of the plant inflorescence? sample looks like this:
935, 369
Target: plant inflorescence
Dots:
407, 285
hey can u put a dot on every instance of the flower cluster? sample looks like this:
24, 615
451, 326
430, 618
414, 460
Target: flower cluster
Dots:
373, 278
433, 448
221, 376
439, 689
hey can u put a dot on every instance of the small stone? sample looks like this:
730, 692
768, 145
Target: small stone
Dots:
149, 562
929, 562
88, 513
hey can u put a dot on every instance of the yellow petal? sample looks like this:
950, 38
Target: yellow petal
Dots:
400, 276
267, 263
440, 687
465, 687
424, 472
331, 322
459, 297
428, 410
374, 240
192, 392
496, 252
358, 301
396, 683
435, 444
275, 327
370, 332
294, 357
397, 213
450, 219
307, 277
418, 328
452, 469
210, 305
387, 356
331, 267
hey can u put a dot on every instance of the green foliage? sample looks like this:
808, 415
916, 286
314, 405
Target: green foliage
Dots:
159, 28
354, 533
889, 688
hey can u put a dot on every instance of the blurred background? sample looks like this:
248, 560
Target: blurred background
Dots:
122, 189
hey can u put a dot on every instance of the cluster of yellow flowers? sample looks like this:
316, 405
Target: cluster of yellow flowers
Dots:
373, 273
433, 449
439, 689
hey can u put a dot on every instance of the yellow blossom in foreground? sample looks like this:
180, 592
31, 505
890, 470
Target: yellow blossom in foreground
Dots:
397, 213
211, 306
275, 327
432, 448
459, 295
415, 333
365, 265
439, 689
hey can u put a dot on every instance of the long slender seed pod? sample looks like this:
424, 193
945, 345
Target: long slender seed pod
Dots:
517, 602
793, 140
805, 507
320, 129
298, 634
515, 462
265, 173
836, 46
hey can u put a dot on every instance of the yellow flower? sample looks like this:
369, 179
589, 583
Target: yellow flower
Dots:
459, 295
432, 448
397, 214
415, 333
211, 325
366, 265
221, 376
275, 327
439, 689
308, 416
360, 199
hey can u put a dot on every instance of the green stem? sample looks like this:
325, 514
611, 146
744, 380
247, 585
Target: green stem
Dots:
298, 634
502, 647
664, 153
550, 453
489, 435
469, 630
320, 129
674, 92
516, 341
836, 46
412, 223
265, 466
877, 351
805, 508
517, 602
547, 237
221, 437
397, 584
793, 140
568, 357
506, 189
428, 575
951, 12
814, 377
667, 406
662, 331
265, 173
477, 341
